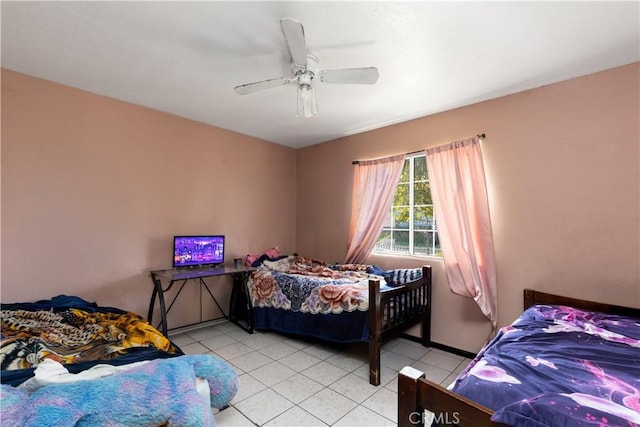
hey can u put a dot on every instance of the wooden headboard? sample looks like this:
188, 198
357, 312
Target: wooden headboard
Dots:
532, 297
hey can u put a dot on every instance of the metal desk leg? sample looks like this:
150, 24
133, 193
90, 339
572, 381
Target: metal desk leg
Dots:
239, 306
203, 283
157, 291
151, 305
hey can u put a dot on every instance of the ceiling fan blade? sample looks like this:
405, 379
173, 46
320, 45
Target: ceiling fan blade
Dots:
264, 84
366, 76
294, 34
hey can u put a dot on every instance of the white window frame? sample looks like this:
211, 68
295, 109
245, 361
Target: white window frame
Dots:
432, 253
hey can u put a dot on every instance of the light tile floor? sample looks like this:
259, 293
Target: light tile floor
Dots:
285, 381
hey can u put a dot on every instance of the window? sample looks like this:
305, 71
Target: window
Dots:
410, 227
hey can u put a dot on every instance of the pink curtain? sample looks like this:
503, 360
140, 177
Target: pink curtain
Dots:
459, 193
374, 185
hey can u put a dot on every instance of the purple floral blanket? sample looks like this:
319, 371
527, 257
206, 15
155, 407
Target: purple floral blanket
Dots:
559, 366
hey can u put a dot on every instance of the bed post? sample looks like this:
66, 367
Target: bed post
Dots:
426, 321
375, 331
529, 298
408, 397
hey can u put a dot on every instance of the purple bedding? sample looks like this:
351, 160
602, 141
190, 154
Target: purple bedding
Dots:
559, 366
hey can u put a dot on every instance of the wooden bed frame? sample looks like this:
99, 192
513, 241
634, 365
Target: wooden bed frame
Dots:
390, 313
393, 311
417, 394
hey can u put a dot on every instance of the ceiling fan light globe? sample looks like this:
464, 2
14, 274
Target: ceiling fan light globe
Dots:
307, 100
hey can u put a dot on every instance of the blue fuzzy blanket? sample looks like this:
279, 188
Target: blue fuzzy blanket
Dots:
160, 391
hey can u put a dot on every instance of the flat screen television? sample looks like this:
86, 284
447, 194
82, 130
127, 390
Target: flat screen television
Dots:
196, 251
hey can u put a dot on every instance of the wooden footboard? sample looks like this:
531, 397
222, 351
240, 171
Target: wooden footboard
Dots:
422, 402
393, 311
416, 394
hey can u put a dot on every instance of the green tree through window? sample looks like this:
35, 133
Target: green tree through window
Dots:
410, 227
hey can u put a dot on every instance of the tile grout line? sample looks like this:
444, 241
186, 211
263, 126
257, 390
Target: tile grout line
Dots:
315, 350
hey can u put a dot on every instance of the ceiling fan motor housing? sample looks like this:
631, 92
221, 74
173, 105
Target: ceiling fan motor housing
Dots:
306, 73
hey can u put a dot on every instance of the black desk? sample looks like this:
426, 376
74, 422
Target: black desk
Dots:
239, 310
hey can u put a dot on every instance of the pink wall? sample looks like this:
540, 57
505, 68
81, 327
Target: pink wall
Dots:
563, 175
93, 190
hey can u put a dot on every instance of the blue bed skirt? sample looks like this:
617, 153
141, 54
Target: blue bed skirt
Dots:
340, 328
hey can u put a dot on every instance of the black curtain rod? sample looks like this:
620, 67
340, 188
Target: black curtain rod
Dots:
480, 135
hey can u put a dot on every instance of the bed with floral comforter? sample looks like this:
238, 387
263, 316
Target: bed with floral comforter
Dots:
341, 303
303, 296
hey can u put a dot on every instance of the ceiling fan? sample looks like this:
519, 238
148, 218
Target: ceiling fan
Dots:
304, 65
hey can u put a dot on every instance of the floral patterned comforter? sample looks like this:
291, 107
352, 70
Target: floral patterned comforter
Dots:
558, 365
305, 285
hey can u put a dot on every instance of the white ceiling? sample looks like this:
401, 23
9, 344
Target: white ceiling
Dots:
185, 58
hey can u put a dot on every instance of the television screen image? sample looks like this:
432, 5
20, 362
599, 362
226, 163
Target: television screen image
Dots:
192, 251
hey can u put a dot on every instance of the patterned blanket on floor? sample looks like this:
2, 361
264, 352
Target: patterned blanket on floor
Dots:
72, 331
